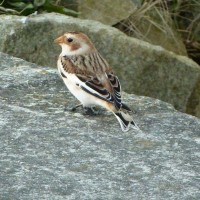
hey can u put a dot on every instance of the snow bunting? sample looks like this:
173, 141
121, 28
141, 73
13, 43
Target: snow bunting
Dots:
90, 78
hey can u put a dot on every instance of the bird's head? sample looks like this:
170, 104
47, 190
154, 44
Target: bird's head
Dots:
74, 43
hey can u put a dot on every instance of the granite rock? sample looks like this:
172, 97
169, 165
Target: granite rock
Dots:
106, 11
49, 153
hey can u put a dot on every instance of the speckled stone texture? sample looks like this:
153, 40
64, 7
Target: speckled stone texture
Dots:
49, 153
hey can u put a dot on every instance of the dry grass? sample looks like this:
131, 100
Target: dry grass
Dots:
186, 15
143, 13
184, 20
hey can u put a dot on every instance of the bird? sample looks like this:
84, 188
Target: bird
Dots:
90, 78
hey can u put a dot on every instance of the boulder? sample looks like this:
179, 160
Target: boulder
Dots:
143, 69
49, 153
106, 11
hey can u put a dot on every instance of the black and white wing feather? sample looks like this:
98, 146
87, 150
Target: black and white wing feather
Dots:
109, 92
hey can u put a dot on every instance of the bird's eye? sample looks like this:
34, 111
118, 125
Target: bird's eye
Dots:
69, 39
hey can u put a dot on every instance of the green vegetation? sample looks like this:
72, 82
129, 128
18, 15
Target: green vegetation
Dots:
27, 7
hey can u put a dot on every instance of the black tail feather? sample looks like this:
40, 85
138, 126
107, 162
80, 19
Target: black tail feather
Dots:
125, 121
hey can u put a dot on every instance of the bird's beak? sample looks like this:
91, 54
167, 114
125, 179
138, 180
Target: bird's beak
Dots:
59, 40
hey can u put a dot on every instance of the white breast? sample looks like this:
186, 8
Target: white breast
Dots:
73, 84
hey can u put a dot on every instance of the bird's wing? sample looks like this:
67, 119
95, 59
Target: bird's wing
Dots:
105, 86
107, 89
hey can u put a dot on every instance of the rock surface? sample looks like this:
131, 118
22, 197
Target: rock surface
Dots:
47, 153
106, 11
143, 69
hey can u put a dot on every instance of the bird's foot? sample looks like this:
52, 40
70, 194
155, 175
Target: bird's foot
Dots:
90, 111
72, 109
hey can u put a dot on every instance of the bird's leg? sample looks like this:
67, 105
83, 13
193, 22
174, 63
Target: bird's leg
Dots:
90, 111
86, 110
73, 108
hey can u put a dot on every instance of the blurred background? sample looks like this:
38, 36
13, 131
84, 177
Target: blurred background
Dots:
173, 24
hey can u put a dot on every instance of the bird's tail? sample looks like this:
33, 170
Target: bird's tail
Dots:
126, 121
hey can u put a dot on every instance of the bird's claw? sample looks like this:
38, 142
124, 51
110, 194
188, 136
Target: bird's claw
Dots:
72, 109
90, 111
